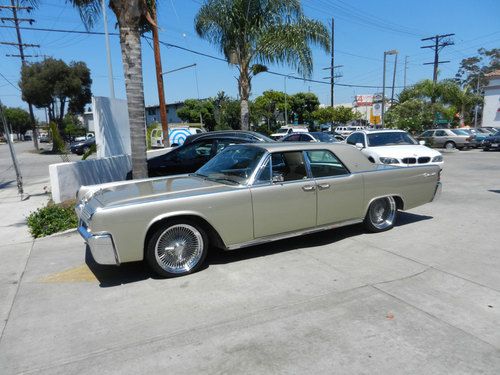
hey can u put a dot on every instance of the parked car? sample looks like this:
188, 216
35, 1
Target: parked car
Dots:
196, 150
447, 138
309, 137
476, 137
44, 138
84, 137
82, 147
492, 142
395, 147
177, 135
246, 195
285, 130
346, 130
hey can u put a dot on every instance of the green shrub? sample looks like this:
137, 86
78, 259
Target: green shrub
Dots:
90, 151
52, 219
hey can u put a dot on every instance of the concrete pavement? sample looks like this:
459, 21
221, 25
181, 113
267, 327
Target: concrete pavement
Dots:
423, 298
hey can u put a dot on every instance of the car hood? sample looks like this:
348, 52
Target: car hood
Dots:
148, 190
401, 151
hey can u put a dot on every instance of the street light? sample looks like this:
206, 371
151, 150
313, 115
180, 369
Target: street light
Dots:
286, 112
391, 52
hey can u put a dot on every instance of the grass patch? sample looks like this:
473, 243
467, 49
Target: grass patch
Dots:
52, 218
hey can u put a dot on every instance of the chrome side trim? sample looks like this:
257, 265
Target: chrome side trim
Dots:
302, 232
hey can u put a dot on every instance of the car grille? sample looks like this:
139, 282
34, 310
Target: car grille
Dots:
409, 160
424, 159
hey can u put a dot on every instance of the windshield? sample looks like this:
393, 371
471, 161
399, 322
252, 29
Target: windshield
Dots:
459, 132
390, 139
232, 166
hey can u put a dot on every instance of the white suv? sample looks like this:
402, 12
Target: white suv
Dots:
394, 147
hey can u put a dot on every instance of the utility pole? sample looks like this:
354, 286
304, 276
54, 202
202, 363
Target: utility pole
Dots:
406, 68
394, 79
439, 43
391, 52
108, 52
19, 177
477, 105
14, 8
332, 68
159, 80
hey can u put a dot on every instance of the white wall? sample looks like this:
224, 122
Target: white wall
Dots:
491, 108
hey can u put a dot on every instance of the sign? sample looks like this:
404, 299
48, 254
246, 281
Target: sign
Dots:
377, 109
363, 100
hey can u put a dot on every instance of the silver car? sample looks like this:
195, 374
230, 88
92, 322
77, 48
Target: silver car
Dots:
246, 195
446, 138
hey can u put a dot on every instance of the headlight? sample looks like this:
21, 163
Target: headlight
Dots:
385, 160
437, 159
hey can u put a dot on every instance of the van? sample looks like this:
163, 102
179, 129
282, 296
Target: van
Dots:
177, 134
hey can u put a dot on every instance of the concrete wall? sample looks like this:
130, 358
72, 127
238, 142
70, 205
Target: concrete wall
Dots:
491, 108
66, 178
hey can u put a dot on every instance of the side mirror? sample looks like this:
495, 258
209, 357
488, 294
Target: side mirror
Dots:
422, 143
359, 145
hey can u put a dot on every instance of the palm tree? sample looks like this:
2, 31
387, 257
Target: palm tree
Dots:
134, 18
251, 33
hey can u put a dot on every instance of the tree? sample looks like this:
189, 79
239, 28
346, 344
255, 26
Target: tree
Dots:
475, 67
338, 114
198, 111
57, 86
18, 119
134, 18
303, 105
269, 106
252, 33
413, 115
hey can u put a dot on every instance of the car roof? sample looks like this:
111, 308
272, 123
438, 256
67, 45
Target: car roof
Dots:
349, 155
225, 133
373, 131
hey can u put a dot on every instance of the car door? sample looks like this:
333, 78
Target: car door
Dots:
339, 193
440, 137
283, 196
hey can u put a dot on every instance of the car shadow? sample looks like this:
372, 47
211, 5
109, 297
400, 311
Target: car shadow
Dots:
109, 276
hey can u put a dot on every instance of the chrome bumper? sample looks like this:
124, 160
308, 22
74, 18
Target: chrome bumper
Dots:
101, 246
437, 193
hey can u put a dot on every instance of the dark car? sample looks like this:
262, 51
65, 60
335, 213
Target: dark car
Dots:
240, 134
82, 147
197, 150
492, 142
310, 137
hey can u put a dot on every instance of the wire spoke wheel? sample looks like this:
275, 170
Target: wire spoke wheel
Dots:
382, 213
179, 248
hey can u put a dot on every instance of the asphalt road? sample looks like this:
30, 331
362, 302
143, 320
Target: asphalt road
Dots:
423, 298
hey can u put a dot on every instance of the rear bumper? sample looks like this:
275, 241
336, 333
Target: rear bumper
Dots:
437, 192
101, 246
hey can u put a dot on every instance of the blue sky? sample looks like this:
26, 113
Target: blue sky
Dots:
364, 29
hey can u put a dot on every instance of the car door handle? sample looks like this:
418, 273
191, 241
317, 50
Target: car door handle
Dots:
308, 188
323, 186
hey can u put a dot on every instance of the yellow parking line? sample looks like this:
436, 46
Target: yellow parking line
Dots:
73, 275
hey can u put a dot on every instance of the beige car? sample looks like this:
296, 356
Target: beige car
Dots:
246, 195
446, 138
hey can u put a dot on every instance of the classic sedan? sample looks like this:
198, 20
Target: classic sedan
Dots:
246, 195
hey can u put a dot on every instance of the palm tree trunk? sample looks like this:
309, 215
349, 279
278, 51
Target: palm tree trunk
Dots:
244, 86
132, 66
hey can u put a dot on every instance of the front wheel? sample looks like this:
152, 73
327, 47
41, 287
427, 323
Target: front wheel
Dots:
381, 215
177, 248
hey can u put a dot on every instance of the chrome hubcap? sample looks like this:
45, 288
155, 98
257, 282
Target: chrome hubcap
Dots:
179, 248
383, 212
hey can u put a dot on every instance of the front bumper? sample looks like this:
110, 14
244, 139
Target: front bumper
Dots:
101, 246
437, 192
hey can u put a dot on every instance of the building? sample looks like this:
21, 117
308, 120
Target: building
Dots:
491, 107
153, 113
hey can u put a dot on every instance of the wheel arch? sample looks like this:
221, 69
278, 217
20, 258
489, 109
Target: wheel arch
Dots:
213, 236
400, 203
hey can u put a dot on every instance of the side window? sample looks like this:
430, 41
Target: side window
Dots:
288, 166
306, 138
427, 133
196, 150
440, 133
356, 138
293, 138
325, 164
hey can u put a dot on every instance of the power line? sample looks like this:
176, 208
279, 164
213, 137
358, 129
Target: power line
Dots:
9, 82
170, 45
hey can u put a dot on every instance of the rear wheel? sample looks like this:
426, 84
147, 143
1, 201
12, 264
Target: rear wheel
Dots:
381, 215
177, 248
450, 145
